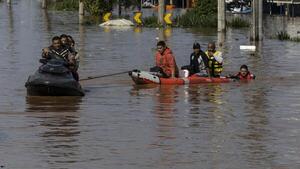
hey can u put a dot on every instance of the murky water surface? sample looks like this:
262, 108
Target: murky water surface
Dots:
119, 125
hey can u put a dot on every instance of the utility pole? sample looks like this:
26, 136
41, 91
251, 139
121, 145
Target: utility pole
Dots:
119, 8
257, 16
188, 5
81, 11
161, 11
254, 35
221, 16
260, 20
44, 4
140, 6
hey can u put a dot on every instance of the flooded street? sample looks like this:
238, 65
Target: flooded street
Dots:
236, 125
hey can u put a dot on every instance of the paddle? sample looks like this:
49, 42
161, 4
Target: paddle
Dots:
107, 75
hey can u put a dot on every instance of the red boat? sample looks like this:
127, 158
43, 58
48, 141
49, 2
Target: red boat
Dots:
144, 77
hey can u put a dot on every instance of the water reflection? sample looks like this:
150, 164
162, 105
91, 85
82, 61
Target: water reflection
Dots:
206, 103
165, 101
60, 119
257, 133
11, 31
164, 33
47, 21
11, 19
167, 32
52, 104
60, 138
139, 90
221, 40
137, 29
82, 37
213, 94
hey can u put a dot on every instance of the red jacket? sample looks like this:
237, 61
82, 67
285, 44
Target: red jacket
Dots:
249, 76
167, 62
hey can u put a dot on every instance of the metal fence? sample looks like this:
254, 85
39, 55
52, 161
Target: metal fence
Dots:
285, 1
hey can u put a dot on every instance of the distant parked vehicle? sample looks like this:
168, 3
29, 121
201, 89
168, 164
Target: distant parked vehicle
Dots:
242, 10
229, 1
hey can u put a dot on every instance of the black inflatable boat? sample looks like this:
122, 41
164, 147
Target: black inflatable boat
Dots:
53, 78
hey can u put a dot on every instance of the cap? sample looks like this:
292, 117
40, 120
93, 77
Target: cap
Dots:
196, 46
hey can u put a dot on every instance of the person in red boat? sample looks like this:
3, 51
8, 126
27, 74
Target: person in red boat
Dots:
165, 63
243, 74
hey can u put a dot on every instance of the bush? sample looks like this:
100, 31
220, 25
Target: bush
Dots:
295, 39
64, 5
194, 18
238, 23
283, 35
207, 7
98, 7
151, 21
204, 14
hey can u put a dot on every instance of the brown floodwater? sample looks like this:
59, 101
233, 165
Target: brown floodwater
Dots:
253, 125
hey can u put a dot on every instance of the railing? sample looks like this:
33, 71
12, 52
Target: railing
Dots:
285, 1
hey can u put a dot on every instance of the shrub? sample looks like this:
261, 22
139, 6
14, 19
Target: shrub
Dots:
194, 18
238, 23
64, 5
151, 21
283, 35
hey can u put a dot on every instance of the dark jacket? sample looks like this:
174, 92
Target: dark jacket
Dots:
195, 65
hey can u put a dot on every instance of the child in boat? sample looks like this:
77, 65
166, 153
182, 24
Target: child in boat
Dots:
243, 74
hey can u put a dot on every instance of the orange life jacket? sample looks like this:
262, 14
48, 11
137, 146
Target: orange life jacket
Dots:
167, 62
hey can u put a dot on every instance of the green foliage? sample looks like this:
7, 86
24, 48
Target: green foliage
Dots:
91, 20
130, 3
238, 23
151, 21
207, 7
283, 35
193, 18
295, 39
64, 5
204, 15
94, 7
98, 7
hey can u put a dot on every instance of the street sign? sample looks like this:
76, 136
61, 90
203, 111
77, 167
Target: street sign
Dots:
168, 19
137, 18
106, 16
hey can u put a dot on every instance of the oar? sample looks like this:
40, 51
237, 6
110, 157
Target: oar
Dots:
107, 75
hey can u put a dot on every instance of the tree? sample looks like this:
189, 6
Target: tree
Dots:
99, 7
207, 7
